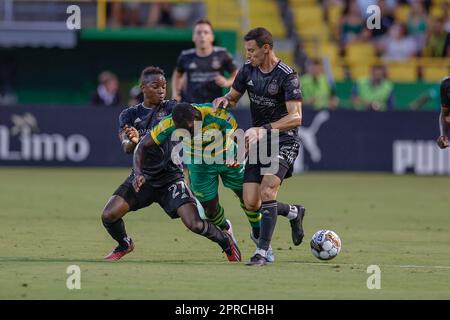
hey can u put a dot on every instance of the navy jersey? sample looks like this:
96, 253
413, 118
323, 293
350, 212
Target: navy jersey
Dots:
201, 71
158, 167
268, 93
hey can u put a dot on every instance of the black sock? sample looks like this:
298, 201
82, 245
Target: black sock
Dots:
268, 222
256, 232
283, 209
213, 233
117, 231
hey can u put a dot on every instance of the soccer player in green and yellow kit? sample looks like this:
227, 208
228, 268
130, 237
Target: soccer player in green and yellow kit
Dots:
205, 156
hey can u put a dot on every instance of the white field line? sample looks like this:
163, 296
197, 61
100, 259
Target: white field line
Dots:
406, 266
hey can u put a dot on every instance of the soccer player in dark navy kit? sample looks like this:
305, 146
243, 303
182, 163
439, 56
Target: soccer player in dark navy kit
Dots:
444, 118
199, 76
275, 103
160, 179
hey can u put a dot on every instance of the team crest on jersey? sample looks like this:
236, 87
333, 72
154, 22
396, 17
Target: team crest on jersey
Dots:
273, 88
161, 115
215, 64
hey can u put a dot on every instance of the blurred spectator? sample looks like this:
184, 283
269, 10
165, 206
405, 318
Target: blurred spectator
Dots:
8, 66
316, 89
160, 14
374, 93
352, 26
107, 93
181, 14
417, 23
397, 45
446, 15
387, 20
436, 40
125, 14
136, 96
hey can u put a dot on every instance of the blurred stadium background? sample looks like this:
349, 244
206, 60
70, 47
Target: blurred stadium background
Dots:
48, 118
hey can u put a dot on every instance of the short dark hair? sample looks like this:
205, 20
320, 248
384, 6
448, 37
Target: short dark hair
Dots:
150, 71
261, 35
183, 113
204, 21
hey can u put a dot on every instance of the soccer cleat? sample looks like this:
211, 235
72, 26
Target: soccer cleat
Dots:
232, 252
229, 228
297, 225
257, 260
119, 251
269, 256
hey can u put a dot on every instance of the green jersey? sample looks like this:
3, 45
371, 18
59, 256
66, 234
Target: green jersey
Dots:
208, 144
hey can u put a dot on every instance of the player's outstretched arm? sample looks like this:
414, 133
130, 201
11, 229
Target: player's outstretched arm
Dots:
223, 82
444, 125
228, 100
138, 160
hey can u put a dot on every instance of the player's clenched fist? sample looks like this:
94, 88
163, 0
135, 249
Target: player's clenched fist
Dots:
138, 181
442, 142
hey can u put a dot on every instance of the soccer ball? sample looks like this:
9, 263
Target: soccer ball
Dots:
325, 244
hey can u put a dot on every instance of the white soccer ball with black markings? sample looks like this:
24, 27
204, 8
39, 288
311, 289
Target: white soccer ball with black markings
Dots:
325, 244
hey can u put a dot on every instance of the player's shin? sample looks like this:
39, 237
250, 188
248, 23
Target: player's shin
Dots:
219, 218
268, 222
117, 231
211, 232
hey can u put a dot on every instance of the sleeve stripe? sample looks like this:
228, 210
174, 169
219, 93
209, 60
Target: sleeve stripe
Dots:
283, 68
282, 64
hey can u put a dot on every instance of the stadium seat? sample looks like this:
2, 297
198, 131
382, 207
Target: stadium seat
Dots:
223, 15
360, 53
334, 15
403, 72
331, 51
286, 56
433, 61
266, 13
319, 32
300, 3
436, 10
308, 16
434, 73
338, 72
402, 12
360, 70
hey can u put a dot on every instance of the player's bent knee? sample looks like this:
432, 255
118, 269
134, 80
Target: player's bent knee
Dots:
108, 216
252, 203
268, 192
252, 206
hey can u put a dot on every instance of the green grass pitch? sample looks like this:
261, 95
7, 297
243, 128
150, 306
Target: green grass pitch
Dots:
50, 219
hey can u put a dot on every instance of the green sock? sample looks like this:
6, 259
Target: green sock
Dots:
253, 217
219, 219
